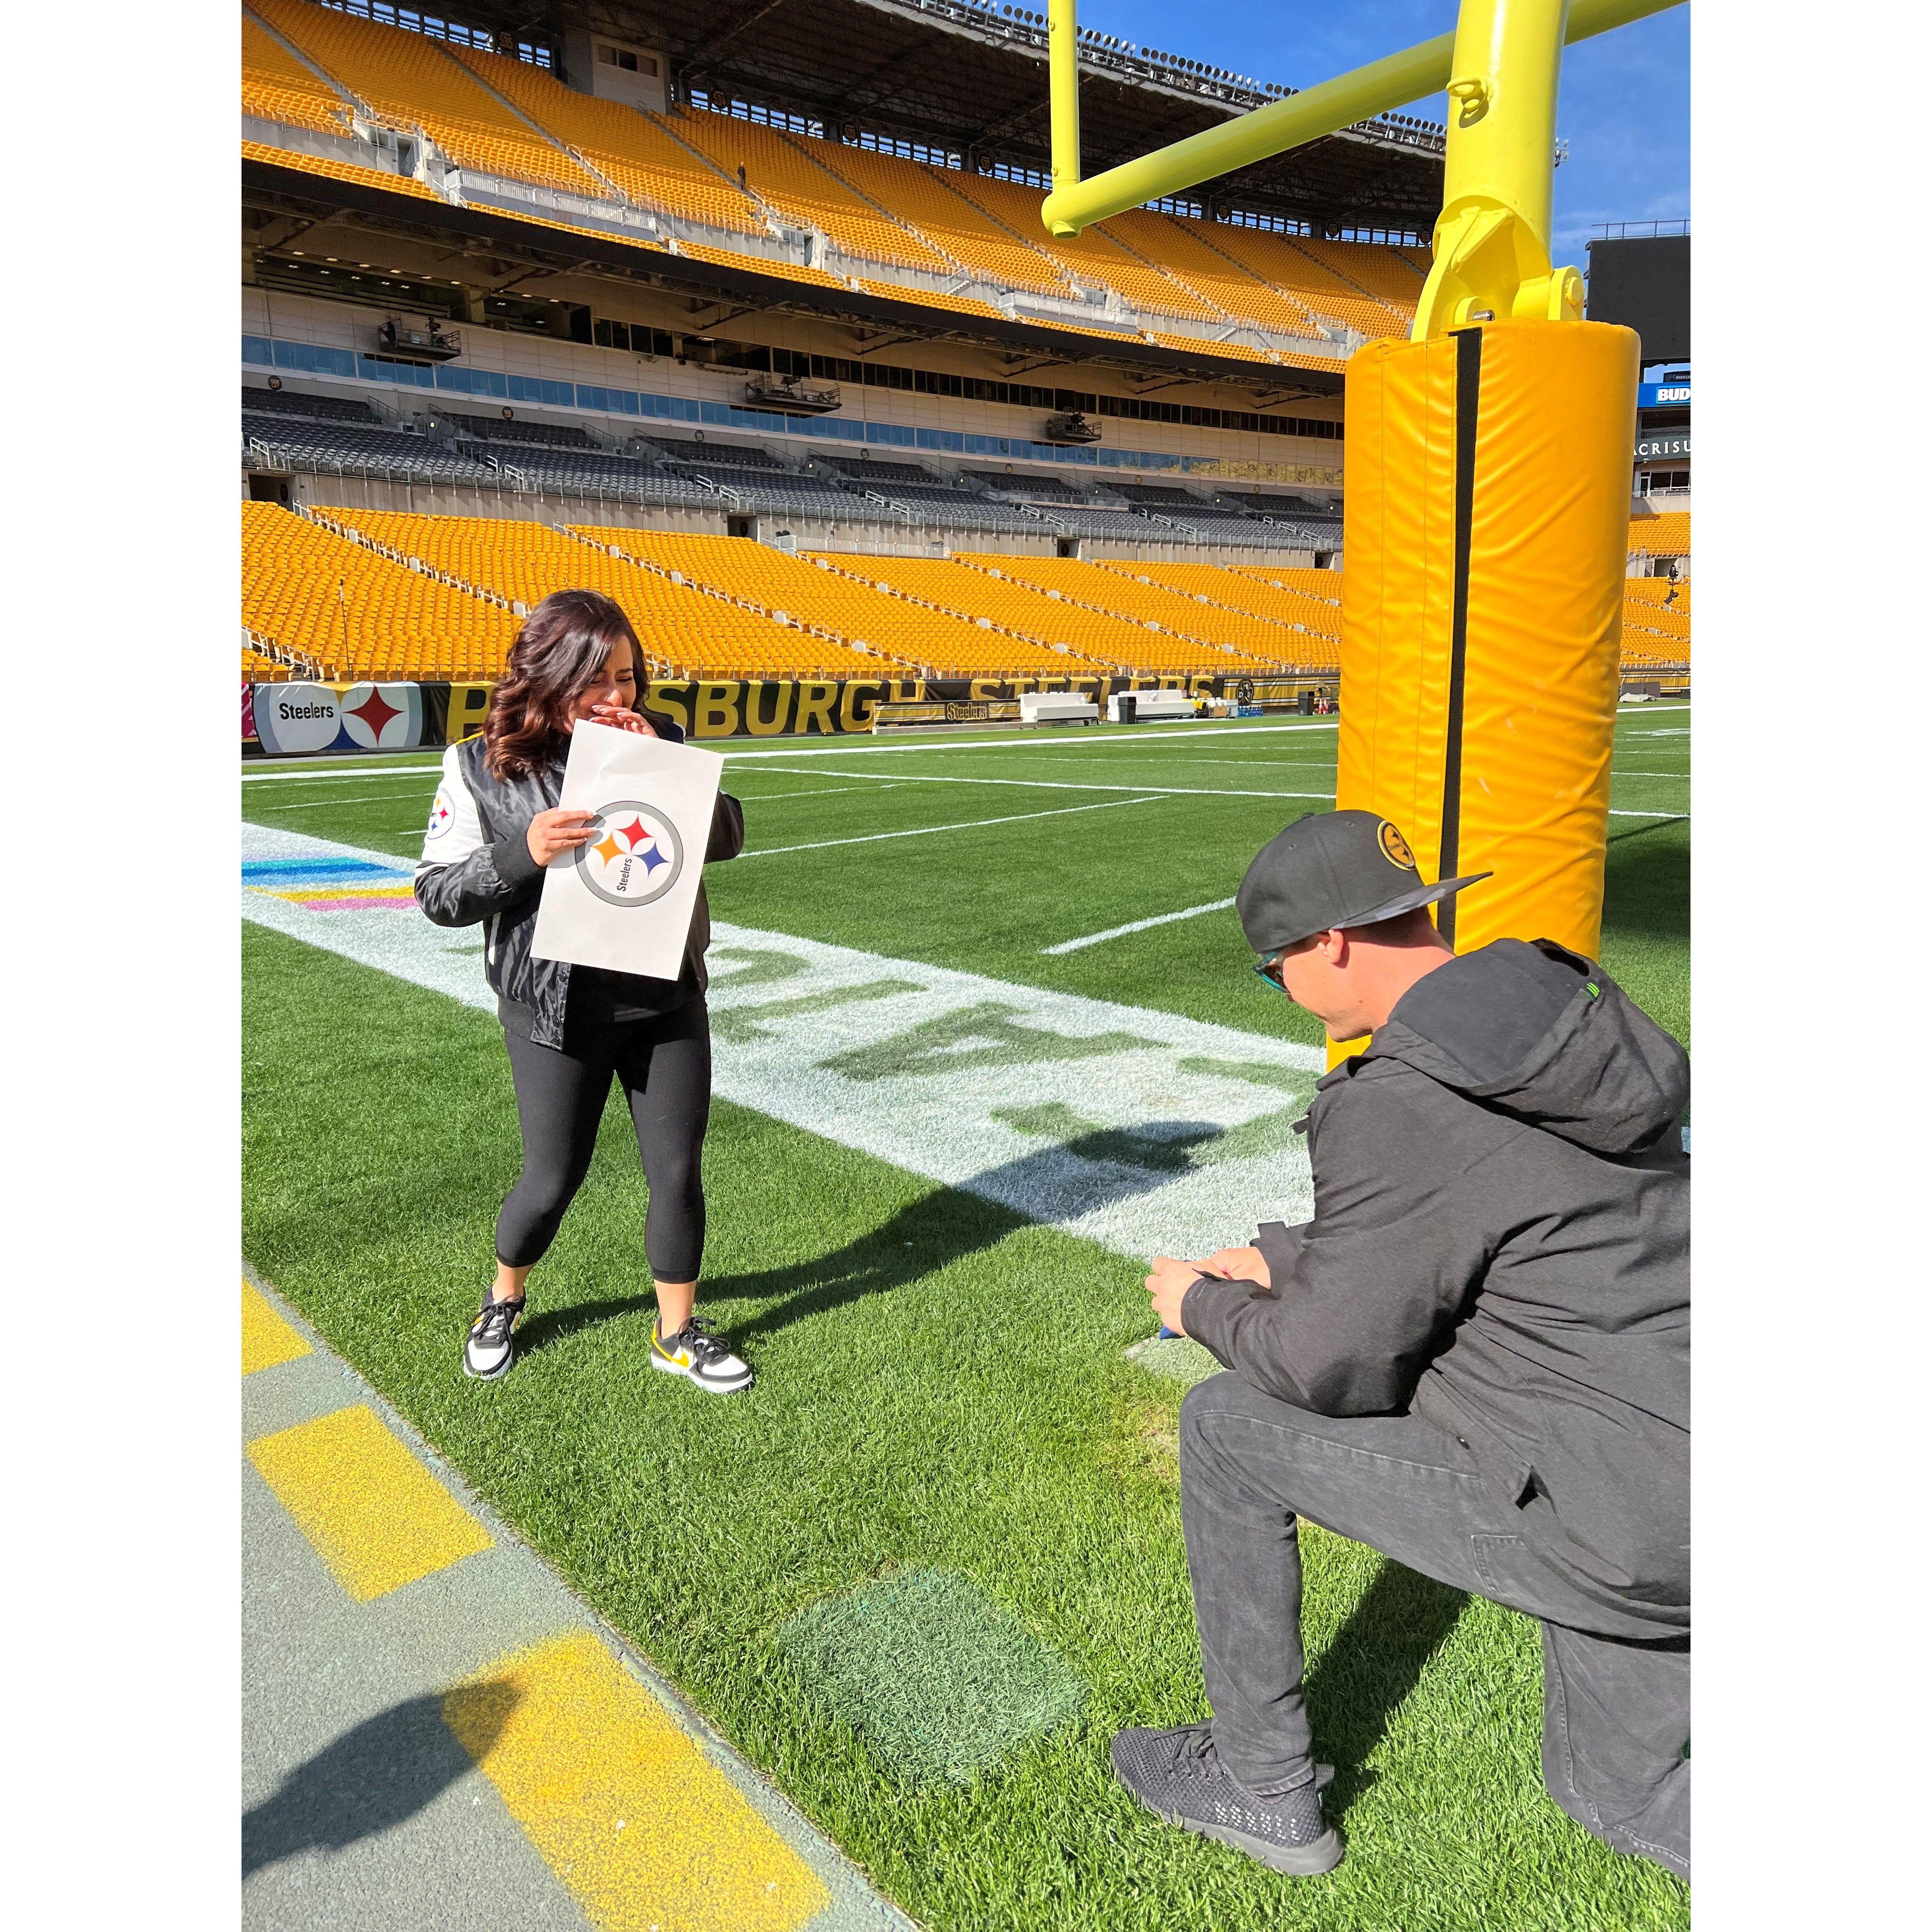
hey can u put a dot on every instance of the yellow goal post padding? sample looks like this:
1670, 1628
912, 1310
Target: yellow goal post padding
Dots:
1485, 531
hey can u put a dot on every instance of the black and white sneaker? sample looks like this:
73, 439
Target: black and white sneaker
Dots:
491, 1349
692, 1352
1177, 1775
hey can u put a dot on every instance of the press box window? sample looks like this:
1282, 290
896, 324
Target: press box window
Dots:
628, 62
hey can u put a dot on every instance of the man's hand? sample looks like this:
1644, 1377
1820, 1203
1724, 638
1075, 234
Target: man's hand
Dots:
1237, 1265
1167, 1287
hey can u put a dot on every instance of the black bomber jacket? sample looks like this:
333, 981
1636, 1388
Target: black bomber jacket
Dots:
476, 869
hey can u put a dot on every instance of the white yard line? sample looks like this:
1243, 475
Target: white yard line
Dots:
874, 786
920, 831
341, 778
330, 804
1661, 816
1134, 925
1074, 784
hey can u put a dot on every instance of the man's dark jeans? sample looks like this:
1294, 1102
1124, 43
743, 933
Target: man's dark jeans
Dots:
1616, 1713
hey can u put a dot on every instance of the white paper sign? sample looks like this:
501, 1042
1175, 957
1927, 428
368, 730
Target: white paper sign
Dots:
624, 901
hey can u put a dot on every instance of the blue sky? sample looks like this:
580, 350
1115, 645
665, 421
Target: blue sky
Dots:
1625, 109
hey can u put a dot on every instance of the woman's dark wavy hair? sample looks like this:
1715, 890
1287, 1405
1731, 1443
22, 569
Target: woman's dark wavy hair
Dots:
556, 656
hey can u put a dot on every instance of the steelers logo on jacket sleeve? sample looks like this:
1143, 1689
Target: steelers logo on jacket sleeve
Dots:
441, 817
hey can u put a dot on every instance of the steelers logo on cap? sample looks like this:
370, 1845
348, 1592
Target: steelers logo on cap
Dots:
1395, 847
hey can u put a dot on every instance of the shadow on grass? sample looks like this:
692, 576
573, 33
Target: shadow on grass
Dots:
1647, 881
372, 1778
1377, 1659
929, 1234
926, 1235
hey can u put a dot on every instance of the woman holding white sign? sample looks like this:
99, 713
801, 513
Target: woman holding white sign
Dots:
495, 827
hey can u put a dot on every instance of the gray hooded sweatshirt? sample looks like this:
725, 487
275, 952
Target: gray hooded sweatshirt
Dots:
1501, 1246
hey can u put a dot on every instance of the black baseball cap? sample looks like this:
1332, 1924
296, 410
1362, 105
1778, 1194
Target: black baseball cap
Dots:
1333, 868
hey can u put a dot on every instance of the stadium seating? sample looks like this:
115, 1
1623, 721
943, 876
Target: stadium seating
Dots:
782, 173
929, 297
1672, 593
932, 503
335, 170
587, 473
1386, 274
356, 614
1141, 601
781, 493
1026, 488
349, 449
276, 86
683, 631
1092, 255
1661, 533
948, 220
1254, 592
297, 403
256, 669
840, 597
489, 113
969, 586
865, 472
1324, 586
497, 429
1280, 261
1187, 250
637, 152
722, 455
408, 81
1212, 522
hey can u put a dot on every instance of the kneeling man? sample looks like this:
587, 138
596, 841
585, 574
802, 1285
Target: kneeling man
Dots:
1474, 1358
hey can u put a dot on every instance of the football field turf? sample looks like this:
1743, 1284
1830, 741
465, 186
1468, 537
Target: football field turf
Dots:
928, 1566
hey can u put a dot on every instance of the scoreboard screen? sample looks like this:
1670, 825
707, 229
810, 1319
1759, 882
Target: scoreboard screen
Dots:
1646, 285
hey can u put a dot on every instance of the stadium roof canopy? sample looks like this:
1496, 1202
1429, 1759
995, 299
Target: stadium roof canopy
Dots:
970, 77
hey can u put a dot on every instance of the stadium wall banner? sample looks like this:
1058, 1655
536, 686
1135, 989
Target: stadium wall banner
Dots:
833, 707
289, 719
1663, 395
294, 718
1664, 443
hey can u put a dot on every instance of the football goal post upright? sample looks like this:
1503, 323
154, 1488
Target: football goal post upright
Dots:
1487, 505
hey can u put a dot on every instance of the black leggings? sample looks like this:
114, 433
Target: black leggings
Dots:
664, 1063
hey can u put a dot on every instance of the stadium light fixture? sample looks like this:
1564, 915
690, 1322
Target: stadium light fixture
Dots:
1500, 69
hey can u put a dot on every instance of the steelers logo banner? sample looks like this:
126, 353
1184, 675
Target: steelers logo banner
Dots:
634, 856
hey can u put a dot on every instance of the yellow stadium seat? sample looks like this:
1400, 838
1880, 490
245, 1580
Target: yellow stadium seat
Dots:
355, 613
408, 80
276, 86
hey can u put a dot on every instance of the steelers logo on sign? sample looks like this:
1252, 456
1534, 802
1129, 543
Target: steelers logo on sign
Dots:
1395, 847
634, 856
440, 817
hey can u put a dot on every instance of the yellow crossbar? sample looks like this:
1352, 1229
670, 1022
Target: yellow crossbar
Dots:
1377, 88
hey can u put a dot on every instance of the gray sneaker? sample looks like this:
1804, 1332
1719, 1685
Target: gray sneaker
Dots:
1177, 1775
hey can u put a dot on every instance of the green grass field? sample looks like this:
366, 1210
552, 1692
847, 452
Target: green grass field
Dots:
942, 1387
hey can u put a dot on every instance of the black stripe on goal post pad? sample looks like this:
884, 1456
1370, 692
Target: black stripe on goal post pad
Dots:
1468, 395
